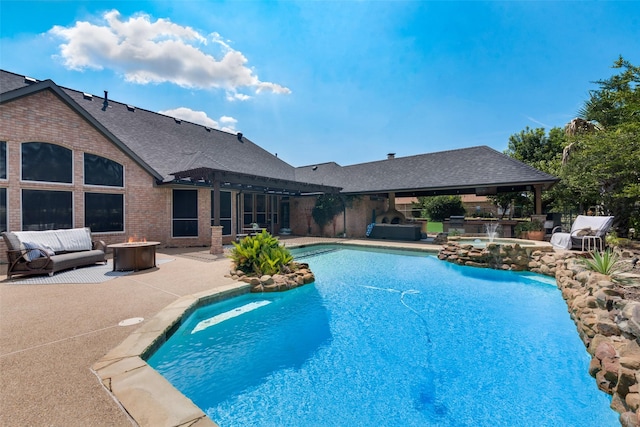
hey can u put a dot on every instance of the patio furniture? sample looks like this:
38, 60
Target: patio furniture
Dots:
586, 232
410, 232
134, 256
49, 251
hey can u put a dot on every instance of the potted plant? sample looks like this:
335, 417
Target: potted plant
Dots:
531, 230
536, 230
522, 229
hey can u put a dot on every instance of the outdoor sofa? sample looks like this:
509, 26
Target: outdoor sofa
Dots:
49, 251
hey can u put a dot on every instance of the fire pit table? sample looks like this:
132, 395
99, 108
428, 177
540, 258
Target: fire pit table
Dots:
134, 256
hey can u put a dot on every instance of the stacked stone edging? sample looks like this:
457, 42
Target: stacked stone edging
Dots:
608, 324
278, 282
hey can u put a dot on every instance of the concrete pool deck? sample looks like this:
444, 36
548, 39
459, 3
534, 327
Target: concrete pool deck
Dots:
52, 335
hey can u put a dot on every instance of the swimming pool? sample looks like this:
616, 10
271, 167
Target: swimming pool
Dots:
392, 339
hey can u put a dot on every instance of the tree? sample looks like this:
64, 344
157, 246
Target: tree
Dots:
603, 171
617, 101
601, 167
544, 152
438, 208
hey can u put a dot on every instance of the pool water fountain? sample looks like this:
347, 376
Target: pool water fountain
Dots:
491, 229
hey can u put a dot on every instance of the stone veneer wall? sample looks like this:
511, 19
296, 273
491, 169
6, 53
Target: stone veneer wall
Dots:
608, 324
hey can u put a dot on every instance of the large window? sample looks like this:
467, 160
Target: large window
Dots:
46, 210
185, 213
102, 171
3, 160
225, 212
248, 209
104, 212
261, 209
46, 162
3, 209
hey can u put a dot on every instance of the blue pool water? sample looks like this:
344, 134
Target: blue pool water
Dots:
389, 339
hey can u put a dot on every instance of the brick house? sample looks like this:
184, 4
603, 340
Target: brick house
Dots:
72, 159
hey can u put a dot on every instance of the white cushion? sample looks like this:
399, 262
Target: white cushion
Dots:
42, 238
64, 240
75, 239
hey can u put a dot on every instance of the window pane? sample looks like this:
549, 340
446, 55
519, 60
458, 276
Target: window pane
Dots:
46, 210
46, 162
225, 204
185, 213
248, 203
226, 227
225, 212
104, 212
261, 204
102, 171
3, 209
185, 204
185, 228
3, 160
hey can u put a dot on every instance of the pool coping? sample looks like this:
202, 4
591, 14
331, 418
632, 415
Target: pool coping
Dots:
145, 395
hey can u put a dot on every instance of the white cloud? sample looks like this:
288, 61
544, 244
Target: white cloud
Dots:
201, 118
160, 51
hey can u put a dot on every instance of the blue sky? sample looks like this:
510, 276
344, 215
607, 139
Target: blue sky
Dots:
342, 81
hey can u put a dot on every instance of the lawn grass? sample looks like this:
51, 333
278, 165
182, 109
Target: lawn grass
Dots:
434, 227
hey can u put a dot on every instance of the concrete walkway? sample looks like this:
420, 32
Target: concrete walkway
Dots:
51, 335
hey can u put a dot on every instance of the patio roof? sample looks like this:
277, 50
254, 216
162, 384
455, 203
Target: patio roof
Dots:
250, 183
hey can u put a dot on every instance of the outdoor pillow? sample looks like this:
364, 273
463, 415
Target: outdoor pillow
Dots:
33, 251
584, 232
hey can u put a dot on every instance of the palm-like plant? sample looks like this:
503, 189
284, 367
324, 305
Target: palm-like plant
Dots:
606, 262
261, 254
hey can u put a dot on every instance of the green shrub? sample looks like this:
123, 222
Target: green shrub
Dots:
261, 254
439, 208
607, 262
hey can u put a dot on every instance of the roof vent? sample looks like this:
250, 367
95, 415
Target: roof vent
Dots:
87, 96
208, 129
131, 107
178, 121
105, 104
315, 167
29, 80
239, 135
391, 155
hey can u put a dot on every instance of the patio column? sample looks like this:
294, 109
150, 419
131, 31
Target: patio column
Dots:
216, 240
216, 201
537, 192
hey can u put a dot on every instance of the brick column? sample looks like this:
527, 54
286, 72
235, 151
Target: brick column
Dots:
216, 239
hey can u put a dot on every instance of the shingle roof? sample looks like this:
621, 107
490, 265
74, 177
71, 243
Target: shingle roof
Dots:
169, 145
474, 167
165, 146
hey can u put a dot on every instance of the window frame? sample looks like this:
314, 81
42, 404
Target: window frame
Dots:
29, 209
175, 219
22, 168
4, 209
97, 230
84, 172
4, 152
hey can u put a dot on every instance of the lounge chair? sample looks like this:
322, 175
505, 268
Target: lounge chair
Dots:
586, 231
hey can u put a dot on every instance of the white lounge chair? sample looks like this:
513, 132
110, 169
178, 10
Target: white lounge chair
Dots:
586, 231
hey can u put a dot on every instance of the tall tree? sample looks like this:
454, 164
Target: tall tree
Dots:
602, 166
542, 151
617, 100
